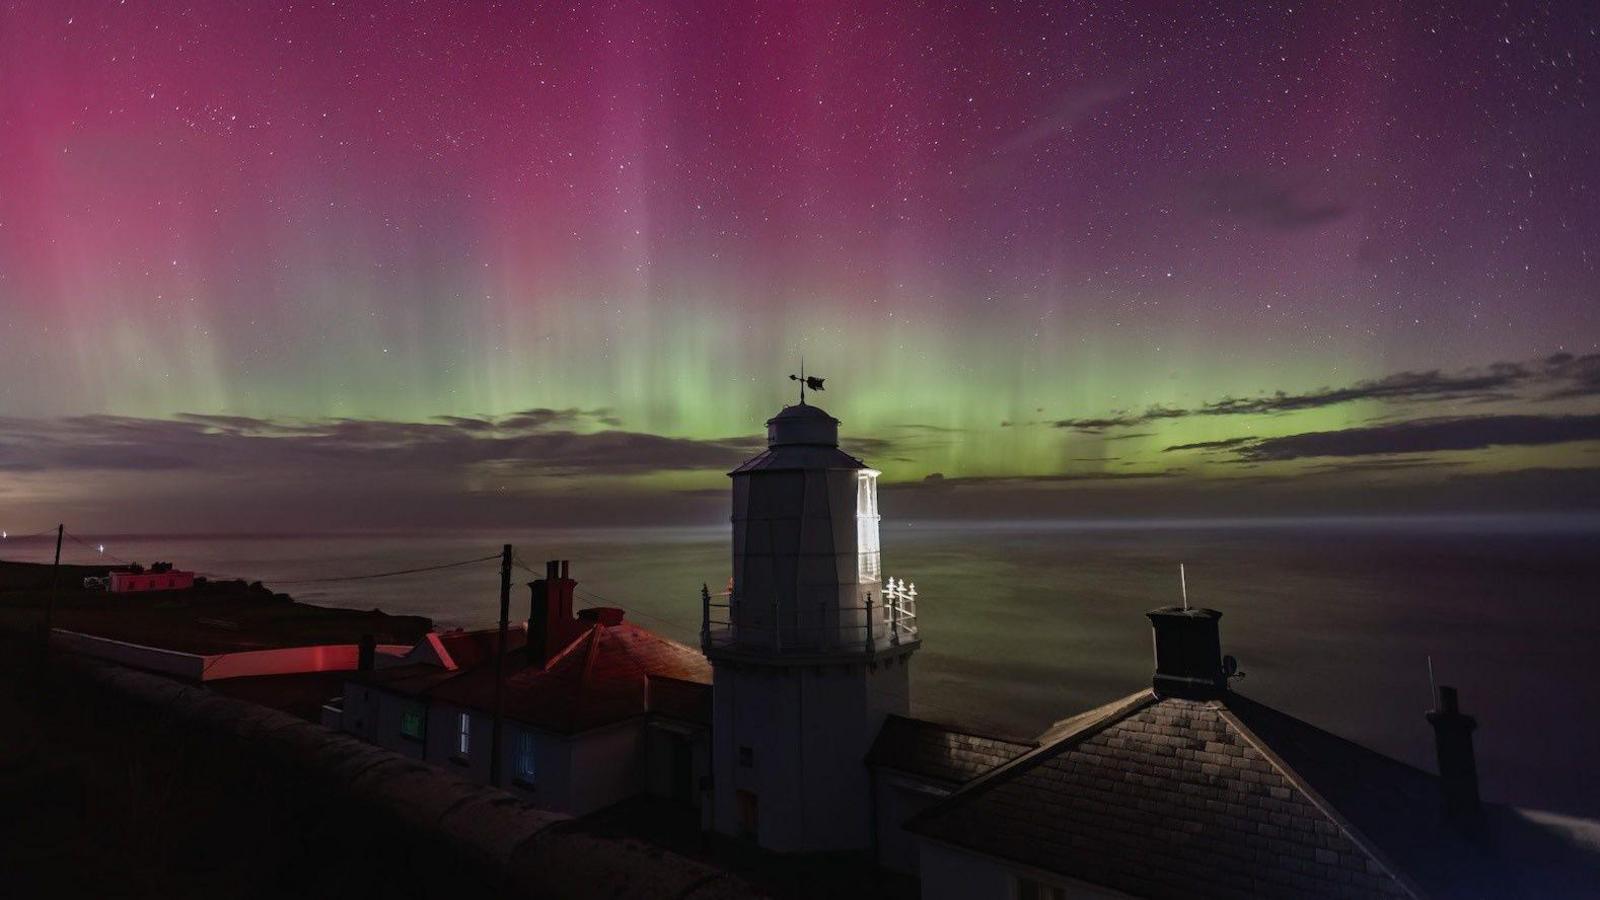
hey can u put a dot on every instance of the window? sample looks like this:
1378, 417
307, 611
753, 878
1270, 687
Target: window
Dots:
526, 771
463, 734
1028, 889
747, 758
867, 550
411, 723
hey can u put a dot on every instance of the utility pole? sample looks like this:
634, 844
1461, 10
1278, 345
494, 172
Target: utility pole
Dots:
55, 580
496, 777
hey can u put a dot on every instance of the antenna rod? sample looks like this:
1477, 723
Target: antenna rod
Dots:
1433, 690
1183, 581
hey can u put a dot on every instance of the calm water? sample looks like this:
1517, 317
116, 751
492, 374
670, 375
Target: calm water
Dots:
1022, 624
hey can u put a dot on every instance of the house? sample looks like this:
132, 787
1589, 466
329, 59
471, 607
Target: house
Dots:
1188, 789
160, 576
595, 709
916, 763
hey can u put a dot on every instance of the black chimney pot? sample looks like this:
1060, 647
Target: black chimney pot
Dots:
1188, 653
1458, 765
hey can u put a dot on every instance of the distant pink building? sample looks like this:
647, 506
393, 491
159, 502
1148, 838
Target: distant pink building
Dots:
159, 577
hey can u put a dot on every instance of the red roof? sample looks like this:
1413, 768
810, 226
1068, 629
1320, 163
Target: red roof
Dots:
602, 676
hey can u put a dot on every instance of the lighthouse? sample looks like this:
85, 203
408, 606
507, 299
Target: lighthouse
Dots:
810, 646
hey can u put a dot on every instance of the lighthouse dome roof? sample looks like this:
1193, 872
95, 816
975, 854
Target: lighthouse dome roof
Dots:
801, 437
802, 424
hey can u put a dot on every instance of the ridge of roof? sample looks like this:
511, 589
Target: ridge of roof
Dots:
1055, 739
1323, 805
568, 650
591, 653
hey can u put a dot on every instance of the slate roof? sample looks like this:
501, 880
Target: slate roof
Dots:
599, 678
940, 752
1166, 797
1161, 798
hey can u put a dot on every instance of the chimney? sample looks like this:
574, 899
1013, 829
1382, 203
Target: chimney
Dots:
551, 623
367, 653
538, 624
544, 616
1458, 766
567, 586
1188, 653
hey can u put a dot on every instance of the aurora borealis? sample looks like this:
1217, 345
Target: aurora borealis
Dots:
514, 250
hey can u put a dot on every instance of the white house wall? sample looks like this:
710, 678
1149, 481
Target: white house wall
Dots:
375, 715
607, 766
575, 774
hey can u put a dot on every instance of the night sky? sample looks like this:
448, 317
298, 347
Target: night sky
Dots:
1246, 255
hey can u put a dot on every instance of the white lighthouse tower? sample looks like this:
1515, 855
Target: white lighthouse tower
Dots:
811, 647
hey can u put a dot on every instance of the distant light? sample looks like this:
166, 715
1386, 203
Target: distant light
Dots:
4, 535
102, 548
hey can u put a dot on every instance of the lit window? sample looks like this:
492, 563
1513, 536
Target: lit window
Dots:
867, 552
526, 771
411, 723
463, 734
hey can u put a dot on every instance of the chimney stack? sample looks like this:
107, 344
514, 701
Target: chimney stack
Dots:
1188, 653
367, 653
550, 619
1458, 765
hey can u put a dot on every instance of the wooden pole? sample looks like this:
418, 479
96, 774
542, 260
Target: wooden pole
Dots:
495, 775
55, 581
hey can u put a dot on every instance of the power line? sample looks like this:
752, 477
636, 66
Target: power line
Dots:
24, 537
389, 574
98, 548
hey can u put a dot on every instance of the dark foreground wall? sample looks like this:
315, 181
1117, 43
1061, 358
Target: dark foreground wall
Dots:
122, 782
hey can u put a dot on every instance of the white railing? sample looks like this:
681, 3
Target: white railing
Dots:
883, 620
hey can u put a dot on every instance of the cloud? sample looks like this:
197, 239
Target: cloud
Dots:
1403, 386
1069, 111
1426, 436
550, 442
940, 481
1385, 465
1264, 202
1574, 376
1210, 445
1120, 419
1561, 376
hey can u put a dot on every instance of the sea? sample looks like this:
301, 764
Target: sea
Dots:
1343, 622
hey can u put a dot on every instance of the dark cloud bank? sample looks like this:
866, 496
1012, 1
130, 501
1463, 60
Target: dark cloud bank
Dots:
1558, 377
576, 467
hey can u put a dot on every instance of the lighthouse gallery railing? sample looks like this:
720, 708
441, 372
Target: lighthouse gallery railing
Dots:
889, 618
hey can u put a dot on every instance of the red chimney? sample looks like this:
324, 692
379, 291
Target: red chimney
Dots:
567, 586
551, 625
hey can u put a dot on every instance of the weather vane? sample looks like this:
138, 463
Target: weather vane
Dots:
812, 382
